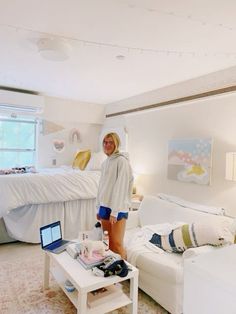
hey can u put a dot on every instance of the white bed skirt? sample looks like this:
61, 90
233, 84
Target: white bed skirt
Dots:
23, 223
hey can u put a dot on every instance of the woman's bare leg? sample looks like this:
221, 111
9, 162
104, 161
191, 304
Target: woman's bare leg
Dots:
106, 226
117, 231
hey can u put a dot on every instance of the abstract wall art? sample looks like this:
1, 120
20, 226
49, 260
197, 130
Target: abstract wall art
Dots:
190, 160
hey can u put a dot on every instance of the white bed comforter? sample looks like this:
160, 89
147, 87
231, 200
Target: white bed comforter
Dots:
47, 186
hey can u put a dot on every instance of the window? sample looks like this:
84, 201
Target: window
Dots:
17, 142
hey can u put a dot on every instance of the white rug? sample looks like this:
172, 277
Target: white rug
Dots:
21, 291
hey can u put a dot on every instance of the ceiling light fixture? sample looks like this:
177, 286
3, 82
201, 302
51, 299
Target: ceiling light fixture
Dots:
53, 49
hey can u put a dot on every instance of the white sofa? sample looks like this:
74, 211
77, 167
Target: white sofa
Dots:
161, 273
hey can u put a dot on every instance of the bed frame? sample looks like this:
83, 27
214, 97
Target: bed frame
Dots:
4, 236
23, 223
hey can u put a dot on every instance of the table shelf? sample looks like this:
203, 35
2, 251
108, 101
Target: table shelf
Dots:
114, 303
60, 278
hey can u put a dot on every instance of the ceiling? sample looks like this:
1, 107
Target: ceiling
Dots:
163, 42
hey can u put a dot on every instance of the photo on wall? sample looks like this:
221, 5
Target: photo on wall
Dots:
190, 160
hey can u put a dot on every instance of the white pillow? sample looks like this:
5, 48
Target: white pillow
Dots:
96, 161
153, 210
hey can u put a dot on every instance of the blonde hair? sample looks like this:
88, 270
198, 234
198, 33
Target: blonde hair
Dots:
116, 141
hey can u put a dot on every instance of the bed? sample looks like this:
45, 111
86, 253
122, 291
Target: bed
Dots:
31, 200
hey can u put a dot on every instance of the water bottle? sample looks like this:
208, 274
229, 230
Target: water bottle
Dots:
106, 240
97, 232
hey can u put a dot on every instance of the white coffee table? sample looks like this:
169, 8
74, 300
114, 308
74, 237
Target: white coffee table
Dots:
63, 266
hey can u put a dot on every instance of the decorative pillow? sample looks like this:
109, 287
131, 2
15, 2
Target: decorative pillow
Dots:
96, 160
81, 159
194, 235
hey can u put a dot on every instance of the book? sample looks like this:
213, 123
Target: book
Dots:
73, 250
88, 263
103, 295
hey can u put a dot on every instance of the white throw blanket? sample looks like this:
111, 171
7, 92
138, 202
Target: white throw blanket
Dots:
184, 203
139, 243
47, 186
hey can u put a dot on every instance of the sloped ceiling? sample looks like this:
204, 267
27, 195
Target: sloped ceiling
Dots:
162, 42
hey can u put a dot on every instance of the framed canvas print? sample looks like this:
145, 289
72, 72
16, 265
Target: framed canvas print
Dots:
190, 160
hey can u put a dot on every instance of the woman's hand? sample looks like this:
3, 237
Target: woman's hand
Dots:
112, 219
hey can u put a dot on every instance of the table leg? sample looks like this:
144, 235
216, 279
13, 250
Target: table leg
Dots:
46, 271
82, 302
134, 293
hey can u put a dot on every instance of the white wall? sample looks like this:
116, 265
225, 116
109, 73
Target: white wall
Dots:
212, 81
148, 135
87, 118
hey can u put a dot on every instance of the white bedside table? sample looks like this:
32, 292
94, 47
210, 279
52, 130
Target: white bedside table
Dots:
210, 282
135, 204
136, 201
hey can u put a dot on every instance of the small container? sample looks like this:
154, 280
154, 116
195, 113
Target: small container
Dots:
106, 240
69, 286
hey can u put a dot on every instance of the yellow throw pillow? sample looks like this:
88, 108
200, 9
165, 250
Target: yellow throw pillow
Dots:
81, 159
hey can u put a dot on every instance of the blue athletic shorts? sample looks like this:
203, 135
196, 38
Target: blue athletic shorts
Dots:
104, 213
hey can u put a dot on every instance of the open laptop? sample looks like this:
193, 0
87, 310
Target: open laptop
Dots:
51, 238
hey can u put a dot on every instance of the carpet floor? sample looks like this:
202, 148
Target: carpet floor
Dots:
21, 277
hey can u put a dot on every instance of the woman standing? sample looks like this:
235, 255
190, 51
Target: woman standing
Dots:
114, 193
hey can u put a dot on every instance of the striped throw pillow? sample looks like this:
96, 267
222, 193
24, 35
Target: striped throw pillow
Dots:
194, 235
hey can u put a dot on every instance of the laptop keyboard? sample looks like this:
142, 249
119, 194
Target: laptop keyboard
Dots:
58, 244
64, 242
60, 248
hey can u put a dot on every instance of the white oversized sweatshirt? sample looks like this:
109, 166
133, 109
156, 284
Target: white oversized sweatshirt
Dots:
116, 182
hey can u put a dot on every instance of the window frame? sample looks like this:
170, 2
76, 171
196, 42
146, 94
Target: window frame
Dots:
29, 120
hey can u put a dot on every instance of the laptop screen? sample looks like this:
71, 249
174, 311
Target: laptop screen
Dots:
50, 234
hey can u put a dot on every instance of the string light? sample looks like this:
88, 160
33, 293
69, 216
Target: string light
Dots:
168, 52
183, 16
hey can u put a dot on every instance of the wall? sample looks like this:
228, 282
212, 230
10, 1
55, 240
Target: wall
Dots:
149, 132
212, 81
60, 116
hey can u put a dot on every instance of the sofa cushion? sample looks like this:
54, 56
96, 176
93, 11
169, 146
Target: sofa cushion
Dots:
166, 266
154, 210
194, 235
